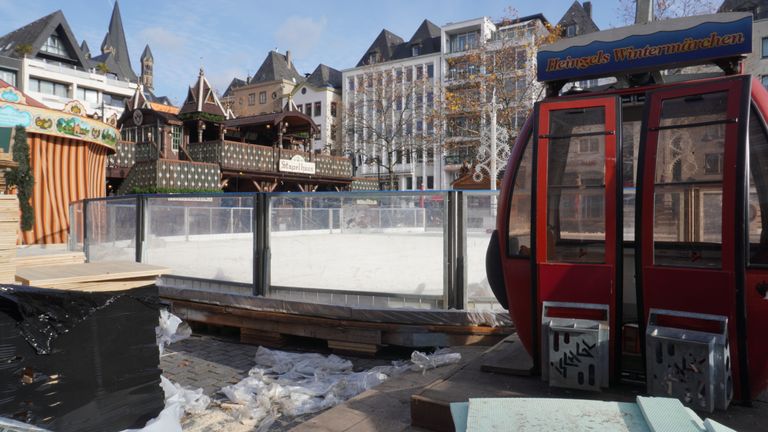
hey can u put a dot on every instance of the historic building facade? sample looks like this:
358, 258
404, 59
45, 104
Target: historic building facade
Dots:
319, 97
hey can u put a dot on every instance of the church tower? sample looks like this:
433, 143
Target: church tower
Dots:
147, 65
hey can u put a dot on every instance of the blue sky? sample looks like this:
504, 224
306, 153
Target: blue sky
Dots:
230, 38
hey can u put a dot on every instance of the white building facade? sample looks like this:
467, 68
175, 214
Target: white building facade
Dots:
319, 97
412, 70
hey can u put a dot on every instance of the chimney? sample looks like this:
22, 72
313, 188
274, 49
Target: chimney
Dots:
288, 57
643, 12
588, 8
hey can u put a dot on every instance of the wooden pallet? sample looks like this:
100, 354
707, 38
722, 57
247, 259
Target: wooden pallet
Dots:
102, 276
343, 336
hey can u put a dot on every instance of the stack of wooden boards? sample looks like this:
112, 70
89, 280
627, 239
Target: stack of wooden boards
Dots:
59, 258
9, 226
100, 276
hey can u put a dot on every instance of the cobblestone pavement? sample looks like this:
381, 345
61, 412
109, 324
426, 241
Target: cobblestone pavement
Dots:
210, 363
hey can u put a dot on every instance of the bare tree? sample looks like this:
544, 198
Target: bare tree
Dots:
489, 91
384, 118
666, 9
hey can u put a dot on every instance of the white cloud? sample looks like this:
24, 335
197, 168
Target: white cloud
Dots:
161, 38
300, 34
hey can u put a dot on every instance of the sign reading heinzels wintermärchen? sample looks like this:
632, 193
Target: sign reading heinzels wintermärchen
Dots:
645, 47
297, 164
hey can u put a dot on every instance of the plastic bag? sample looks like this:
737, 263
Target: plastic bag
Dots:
424, 362
178, 400
171, 329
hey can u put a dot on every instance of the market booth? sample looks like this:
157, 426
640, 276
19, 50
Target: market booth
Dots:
68, 153
632, 233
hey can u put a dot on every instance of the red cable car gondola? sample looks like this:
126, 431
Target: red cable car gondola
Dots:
632, 233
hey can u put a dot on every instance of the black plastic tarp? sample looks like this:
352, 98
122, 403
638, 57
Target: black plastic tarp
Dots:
76, 361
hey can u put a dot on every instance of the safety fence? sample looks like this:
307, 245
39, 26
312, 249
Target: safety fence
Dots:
415, 249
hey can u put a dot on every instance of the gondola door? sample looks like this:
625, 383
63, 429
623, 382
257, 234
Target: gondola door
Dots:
577, 237
690, 257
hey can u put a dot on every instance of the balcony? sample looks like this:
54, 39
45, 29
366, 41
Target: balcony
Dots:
252, 158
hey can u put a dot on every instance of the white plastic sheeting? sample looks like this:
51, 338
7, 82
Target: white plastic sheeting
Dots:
170, 329
293, 384
178, 401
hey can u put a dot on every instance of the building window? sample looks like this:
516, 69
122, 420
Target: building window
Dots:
764, 80
419, 125
54, 45
570, 31
175, 138
398, 76
409, 74
8, 76
333, 132
88, 95
300, 108
262, 97
113, 99
415, 50
419, 72
49, 87
589, 145
464, 41
430, 70
317, 109
713, 163
252, 99
430, 99
308, 110
765, 47
333, 109
351, 83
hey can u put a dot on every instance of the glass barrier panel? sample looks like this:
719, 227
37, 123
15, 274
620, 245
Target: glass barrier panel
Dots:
480, 209
389, 243
75, 242
111, 226
208, 237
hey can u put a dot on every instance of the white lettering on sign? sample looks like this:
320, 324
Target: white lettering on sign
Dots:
297, 164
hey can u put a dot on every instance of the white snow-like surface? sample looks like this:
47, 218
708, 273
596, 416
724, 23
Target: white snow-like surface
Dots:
380, 262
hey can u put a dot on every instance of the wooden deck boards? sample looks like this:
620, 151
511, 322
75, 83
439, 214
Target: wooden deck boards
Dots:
102, 276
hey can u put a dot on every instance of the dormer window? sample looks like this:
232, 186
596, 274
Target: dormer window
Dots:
570, 31
373, 57
415, 50
54, 45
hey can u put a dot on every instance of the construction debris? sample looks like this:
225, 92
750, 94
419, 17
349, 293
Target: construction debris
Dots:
293, 384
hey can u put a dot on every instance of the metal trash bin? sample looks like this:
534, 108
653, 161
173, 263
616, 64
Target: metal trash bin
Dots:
691, 365
575, 351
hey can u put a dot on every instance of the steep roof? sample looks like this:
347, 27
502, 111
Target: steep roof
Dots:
388, 46
384, 46
85, 49
742, 6
578, 16
236, 82
147, 53
428, 36
114, 41
275, 67
143, 98
325, 76
202, 99
36, 33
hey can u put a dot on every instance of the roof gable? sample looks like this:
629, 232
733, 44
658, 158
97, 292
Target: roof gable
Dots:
147, 54
202, 99
383, 47
325, 76
36, 33
236, 82
275, 67
114, 41
578, 16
